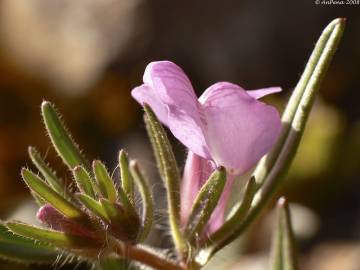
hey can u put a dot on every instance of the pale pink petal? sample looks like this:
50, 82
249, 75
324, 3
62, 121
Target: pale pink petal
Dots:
169, 80
145, 94
174, 89
259, 93
197, 170
240, 129
186, 129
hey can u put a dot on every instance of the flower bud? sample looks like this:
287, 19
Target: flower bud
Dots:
55, 220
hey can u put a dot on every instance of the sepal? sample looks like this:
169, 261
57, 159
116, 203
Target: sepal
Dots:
57, 239
169, 173
37, 185
205, 204
20, 249
283, 254
61, 138
146, 199
104, 181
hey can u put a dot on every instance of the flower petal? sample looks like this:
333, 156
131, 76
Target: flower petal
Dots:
240, 129
173, 88
197, 170
259, 93
145, 94
169, 81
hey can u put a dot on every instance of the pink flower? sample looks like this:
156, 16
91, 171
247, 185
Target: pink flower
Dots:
227, 126
197, 170
55, 220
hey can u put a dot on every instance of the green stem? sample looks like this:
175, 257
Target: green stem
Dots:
146, 257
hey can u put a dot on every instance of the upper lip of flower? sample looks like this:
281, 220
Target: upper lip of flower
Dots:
226, 124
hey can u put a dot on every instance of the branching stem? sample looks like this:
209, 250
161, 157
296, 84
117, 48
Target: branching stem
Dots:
146, 257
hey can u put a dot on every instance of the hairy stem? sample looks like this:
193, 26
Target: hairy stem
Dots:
146, 257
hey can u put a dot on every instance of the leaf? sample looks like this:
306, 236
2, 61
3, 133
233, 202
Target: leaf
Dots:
127, 204
112, 211
205, 203
127, 183
16, 248
105, 183
125, 227
296, 113
126, 191
84, 181
45, 192
147, 200
61, 138
271, 169
94, 206
283, 255
55, 238
39, 201
46, 171
169, 173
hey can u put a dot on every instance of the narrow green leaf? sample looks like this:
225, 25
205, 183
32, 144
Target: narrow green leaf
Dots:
147, 200
40, 201
105, 183
297, 111
55, 238
94, 206
84, 181
127, 183
169, 172
126, 190
51, 196
61, 138
283, 255
124, 226
271, 169
205, 203
127, 203
113, 212
236, 216
16, 248
48, 174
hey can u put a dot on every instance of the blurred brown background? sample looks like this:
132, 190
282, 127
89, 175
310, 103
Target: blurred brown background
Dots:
87, 55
